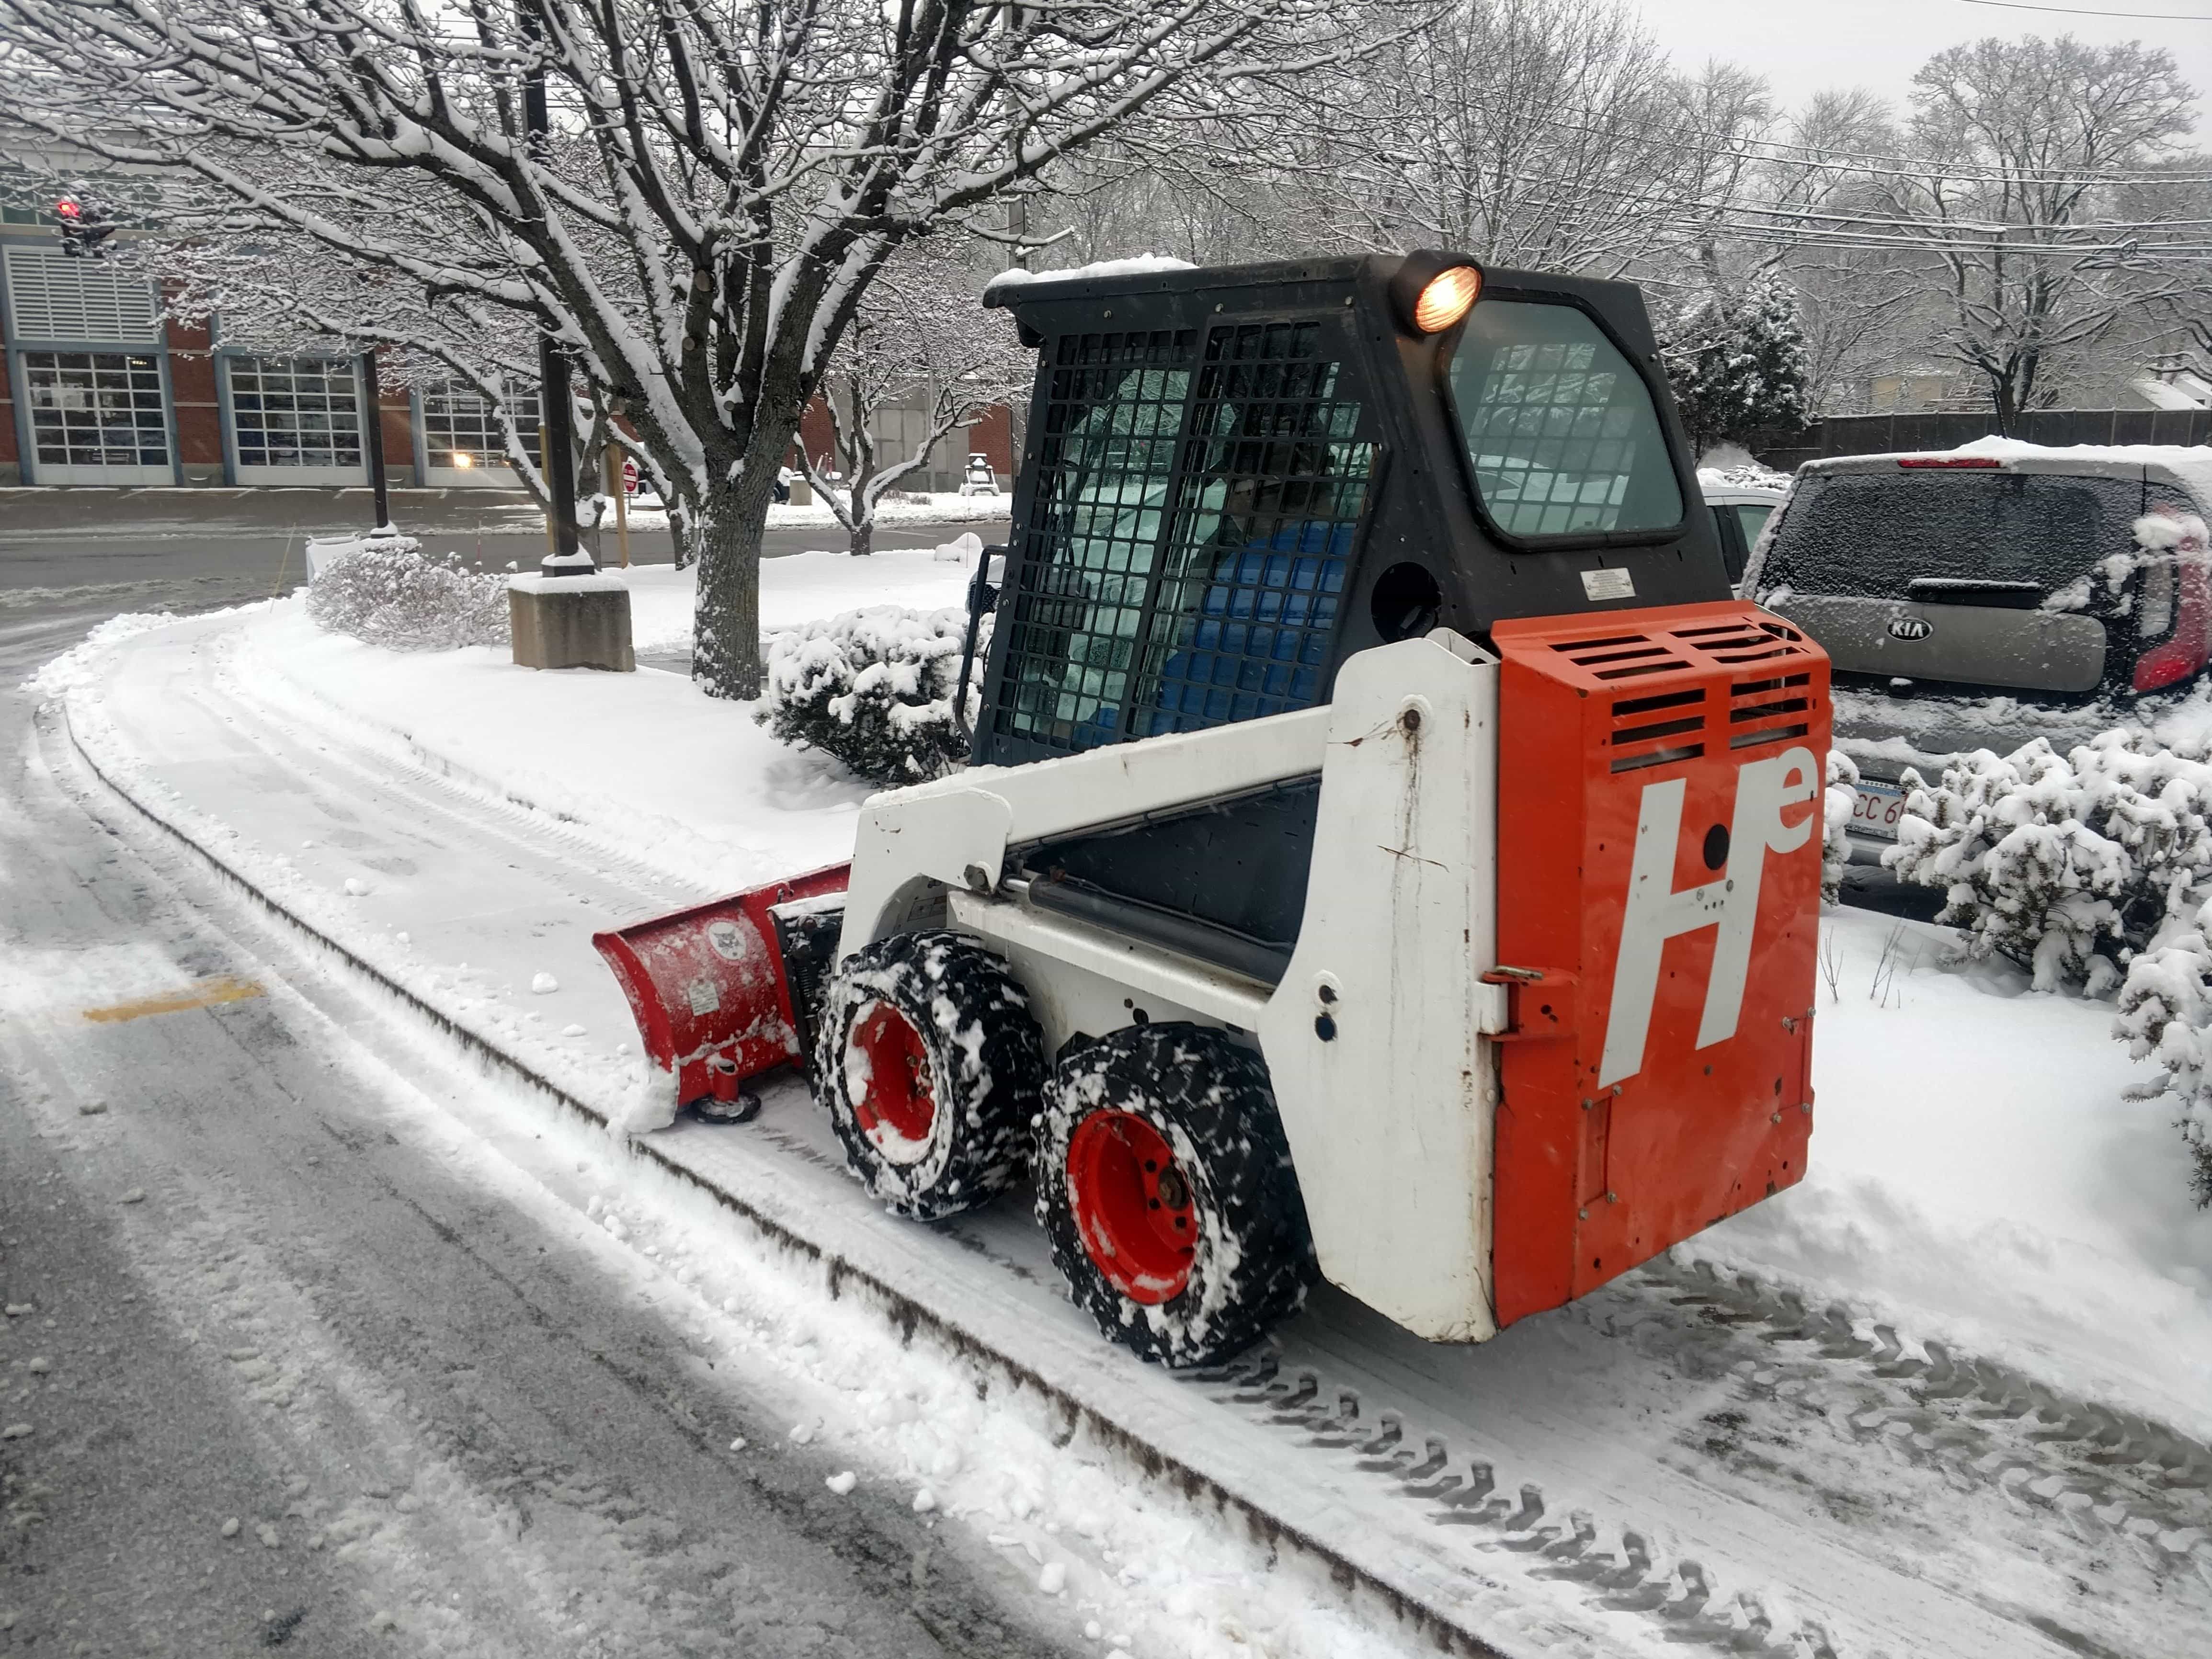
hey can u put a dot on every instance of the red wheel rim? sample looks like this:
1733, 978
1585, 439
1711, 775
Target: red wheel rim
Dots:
1131, 1205
892, 1095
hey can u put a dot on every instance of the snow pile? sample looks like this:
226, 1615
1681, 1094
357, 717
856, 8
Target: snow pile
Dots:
2066, 863
1982, 1171
963, 550
875, 687
1837, 805
388, 592
1746, 474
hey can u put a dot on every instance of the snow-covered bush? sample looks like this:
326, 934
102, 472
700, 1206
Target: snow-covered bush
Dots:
2067, 863
390, 593
874, 687
2165, 1015
1837, 804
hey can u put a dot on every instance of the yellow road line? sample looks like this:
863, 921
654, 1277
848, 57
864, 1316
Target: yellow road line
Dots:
207, 993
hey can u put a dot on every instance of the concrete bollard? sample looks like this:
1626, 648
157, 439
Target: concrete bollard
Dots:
571, 622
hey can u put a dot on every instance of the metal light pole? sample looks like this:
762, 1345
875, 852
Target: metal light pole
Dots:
556, 416
372, 437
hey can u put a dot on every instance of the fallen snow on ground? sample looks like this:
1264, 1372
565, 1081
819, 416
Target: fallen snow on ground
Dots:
1977, 1171
672, 778
799, 588
933, 506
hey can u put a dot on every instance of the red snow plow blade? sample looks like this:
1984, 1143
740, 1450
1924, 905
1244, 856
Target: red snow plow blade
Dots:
711, 987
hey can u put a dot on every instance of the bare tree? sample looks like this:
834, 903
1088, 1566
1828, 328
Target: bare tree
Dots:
921, 340
1536, 134
691, 201
2014, 201
1859, 299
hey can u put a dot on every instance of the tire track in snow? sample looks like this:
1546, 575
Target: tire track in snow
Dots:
1990, 1422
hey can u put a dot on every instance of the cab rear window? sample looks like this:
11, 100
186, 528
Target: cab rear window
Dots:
1561, 435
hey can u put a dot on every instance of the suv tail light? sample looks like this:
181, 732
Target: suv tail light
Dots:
2182, 589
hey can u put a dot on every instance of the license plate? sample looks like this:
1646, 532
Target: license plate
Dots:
1876, 811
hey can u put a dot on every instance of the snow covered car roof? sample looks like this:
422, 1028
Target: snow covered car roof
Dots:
1721, 495
2187, 466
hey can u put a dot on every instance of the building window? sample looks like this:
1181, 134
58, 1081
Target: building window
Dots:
460, 428
96, 409
296, 412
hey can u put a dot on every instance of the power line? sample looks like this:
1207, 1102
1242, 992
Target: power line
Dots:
2085, 11
1856, 163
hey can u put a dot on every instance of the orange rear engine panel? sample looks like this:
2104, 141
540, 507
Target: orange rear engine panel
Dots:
1660, 820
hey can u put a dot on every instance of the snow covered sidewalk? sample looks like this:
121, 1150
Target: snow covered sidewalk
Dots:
1977, 1177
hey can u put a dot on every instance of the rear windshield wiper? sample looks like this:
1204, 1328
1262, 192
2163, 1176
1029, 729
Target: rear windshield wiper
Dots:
1973, 590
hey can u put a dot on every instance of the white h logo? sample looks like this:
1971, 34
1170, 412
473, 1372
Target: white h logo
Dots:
1657, 912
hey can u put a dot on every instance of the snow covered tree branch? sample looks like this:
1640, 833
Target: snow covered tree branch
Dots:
2021, 138
715, 194
923, 341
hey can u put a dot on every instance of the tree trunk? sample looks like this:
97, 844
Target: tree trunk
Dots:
725, 657
2001, 401
860, 540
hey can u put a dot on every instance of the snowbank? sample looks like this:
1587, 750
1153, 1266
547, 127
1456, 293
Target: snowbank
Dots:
701, 791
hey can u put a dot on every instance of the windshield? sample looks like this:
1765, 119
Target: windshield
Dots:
1876, 535
1559, 428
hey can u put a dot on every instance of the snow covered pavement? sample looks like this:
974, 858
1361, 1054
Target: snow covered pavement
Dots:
309, 1339
1680, 1458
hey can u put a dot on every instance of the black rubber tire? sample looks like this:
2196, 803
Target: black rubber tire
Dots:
985, 1061
1210, 1099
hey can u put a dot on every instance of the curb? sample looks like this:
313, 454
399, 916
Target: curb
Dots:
905, 1314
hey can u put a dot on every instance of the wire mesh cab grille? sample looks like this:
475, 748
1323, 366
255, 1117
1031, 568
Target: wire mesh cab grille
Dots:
1191, 533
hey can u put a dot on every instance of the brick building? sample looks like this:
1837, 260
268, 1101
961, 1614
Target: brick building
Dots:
100, 389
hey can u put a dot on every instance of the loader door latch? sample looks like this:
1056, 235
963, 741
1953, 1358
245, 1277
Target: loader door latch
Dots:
1541, 1002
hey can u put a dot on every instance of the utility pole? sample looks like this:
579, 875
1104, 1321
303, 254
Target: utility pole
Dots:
372, 439
556, 416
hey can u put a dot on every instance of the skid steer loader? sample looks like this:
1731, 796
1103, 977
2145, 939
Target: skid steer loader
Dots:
1388, 852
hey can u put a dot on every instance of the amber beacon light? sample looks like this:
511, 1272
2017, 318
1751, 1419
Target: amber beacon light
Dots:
1447, 297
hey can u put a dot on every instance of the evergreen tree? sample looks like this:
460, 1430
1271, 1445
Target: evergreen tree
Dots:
1738, 364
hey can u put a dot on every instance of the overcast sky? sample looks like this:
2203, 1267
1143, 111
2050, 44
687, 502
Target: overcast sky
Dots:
1877, 44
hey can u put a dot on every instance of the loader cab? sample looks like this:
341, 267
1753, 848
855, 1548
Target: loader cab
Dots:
1234, 479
